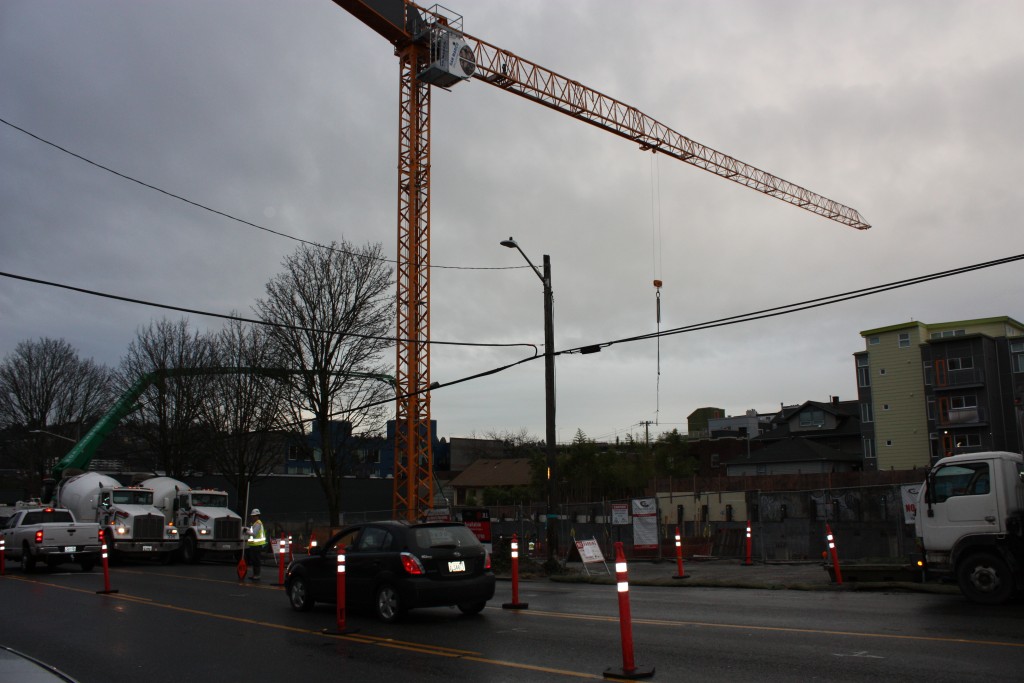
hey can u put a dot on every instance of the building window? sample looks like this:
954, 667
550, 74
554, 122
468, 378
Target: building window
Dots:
964, 363
881, 371
866, 413
714, 460
971, 440
885, 406
931, 407
904, 340
929, 373
969, 401
1018, 362
948, 333
869, 448
863, 372
812, 417
888, 442
874, 340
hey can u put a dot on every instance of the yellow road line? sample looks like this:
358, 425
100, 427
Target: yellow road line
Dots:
421, 648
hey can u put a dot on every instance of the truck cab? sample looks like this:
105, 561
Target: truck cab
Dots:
970, 524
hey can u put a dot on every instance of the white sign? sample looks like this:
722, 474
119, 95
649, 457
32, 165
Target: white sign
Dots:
620, 513
645, 523
909, 494
589, 550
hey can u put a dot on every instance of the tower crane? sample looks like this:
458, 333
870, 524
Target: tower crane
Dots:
433, 50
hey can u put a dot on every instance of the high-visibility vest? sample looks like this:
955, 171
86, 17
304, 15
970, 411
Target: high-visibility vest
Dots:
257, 536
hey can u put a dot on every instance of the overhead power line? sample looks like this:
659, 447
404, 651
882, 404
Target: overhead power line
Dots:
224, 214
254, 321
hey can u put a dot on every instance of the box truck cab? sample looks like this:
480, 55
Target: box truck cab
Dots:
970, 524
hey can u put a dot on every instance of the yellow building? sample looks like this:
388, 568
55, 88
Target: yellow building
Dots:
930, 390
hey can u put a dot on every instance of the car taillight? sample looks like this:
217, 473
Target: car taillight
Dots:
487, 561
412, 565
39, 536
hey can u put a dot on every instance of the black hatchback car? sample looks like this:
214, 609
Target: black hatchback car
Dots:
395, 566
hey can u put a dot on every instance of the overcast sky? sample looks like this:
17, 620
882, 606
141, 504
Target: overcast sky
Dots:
285, 114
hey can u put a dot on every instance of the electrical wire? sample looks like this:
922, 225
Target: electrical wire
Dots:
224, 214
253, 321
796, 307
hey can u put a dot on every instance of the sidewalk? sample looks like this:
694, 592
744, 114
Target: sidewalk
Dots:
732, 573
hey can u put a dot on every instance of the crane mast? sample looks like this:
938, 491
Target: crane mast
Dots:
433, 50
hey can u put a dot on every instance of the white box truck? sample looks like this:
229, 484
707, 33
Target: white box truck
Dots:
970, 524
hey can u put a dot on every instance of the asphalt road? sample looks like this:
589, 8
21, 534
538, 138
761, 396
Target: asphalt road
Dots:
198, 623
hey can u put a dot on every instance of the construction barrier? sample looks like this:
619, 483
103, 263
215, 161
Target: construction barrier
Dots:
106, 564
834, 554
282, 548
515, 604
340, 611
629, 669
681, 572
747, 562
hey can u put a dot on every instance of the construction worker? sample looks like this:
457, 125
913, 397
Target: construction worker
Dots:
256, 542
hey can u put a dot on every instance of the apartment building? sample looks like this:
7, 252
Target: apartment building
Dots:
930, 390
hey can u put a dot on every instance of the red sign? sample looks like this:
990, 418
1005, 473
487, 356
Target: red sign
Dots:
479, 522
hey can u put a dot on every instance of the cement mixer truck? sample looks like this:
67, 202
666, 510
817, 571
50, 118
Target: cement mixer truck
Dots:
132, 525
201, 516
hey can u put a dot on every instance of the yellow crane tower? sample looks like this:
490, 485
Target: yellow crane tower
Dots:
433, 50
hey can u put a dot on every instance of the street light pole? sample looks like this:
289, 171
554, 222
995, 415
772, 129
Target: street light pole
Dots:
549, 401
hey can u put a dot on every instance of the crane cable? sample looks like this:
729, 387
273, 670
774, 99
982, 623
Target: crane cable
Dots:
656, 268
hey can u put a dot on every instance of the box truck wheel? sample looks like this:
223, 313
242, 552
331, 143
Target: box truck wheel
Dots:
984, 578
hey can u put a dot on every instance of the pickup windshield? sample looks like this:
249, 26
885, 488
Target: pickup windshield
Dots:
47, 516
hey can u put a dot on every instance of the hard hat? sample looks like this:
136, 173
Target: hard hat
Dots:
255, 512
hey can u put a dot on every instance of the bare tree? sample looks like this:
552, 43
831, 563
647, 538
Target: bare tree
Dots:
168, 417
46, 388
332, 309
244, 410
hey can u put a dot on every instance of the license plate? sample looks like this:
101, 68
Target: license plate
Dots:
146, 548
226, 546
457, 566
70, 548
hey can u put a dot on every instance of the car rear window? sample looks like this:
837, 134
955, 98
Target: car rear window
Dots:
444, 537
47, 516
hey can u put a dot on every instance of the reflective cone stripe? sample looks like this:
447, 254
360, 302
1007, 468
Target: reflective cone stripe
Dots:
515, 604
748, 562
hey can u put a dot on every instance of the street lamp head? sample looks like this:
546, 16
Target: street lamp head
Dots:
510, 243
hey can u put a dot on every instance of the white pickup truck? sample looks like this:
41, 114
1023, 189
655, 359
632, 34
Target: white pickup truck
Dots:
50, 536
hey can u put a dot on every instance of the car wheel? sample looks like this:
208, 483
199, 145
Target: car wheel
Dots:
388, 603
28, 562
984, 578
298, 594
471, 608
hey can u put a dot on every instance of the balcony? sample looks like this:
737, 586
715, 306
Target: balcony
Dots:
960, 378
960, 417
